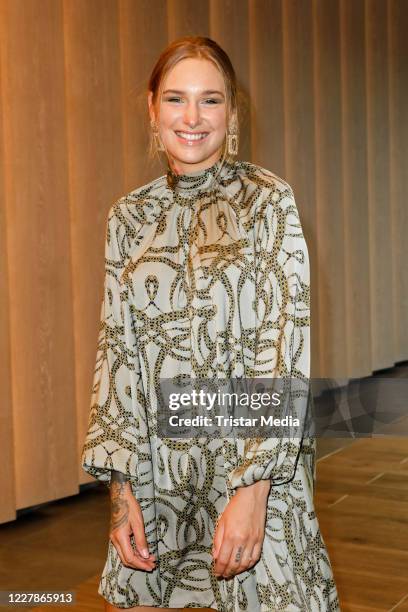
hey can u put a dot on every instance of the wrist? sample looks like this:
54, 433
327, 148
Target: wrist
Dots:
259, 489
119, 484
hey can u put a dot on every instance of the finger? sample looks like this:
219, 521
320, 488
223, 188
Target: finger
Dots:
116, 544
218, 537
250, 557
130, 558
223, 557
139, 536
151, 557
246, 560
138, 530
235, 560
121, 539
256, 551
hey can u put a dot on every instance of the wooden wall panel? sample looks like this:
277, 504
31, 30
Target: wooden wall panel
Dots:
187, 19
143, 35
96, 170
379, 211
329, 229
8, 505
355, 187
398, 104
266, 91
234, 38
38, 252
300, 154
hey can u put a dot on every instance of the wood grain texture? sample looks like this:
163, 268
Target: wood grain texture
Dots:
355, 188
398, 104
42, 383
266, 77
8, 505
187, 20
96, 170
380, 217
234, 39
329, 188
138, 54
299, 141
365, 528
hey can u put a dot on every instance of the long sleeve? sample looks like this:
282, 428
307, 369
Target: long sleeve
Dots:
111, 441
282, 338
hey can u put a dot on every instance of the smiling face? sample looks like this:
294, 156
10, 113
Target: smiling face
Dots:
192, 119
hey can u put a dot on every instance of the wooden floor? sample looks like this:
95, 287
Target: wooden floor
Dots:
362, 506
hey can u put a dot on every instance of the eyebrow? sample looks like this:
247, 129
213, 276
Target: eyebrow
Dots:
206, 92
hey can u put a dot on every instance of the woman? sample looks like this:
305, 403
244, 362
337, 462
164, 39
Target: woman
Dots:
207, 275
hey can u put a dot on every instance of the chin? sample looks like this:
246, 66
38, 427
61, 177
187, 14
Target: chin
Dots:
196, 159
192, 157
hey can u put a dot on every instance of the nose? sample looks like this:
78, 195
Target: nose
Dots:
192, 114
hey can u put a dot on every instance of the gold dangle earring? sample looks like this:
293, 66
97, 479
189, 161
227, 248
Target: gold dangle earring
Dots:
156, 136
232, 140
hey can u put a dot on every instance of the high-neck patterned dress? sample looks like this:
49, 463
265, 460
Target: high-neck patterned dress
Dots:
206, 275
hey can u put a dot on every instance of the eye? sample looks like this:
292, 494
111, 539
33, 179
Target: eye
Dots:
212, 100
173, 99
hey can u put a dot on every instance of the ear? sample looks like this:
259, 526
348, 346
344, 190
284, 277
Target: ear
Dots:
151, 106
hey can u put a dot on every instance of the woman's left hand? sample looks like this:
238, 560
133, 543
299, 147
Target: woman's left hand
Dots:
240, 531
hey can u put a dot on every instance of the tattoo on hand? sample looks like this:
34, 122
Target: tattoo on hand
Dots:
119, 504
238, 555
118, 476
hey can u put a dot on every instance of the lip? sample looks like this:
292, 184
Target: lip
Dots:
190, 143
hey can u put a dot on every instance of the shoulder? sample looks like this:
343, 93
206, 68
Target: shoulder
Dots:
138, 206
130, 213
140, 194
140, 197
262, 178
266, 195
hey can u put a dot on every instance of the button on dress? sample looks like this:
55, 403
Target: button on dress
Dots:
206, 275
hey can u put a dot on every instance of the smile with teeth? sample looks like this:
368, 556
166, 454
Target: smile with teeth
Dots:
191, 137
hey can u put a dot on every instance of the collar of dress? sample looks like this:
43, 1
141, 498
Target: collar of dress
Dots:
202, 180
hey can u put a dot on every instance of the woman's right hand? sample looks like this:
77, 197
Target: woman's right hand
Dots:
127, 519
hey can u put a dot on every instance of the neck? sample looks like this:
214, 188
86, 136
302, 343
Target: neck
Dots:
183, 168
